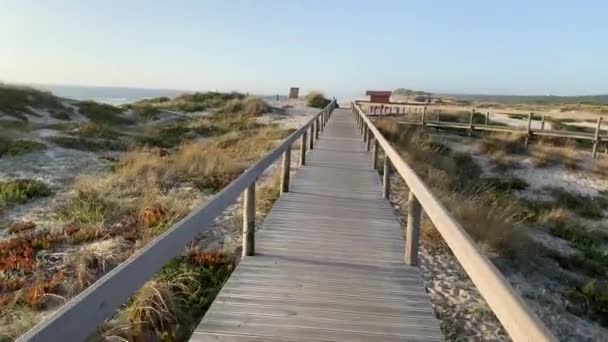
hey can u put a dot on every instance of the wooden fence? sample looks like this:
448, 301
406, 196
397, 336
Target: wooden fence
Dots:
517, 319
420, 110
78, 318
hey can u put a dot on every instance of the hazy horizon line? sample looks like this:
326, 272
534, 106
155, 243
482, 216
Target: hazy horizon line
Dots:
362, 93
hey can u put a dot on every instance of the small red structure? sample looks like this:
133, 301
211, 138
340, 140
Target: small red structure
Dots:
380, 96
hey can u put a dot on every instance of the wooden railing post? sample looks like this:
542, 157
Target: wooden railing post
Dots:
319, 124
362, 130
424, 117
312, 137
487, 118
375, 154
249, 221
471, 122
412, 234
386, 179
529, 130
317, 129
365, 132
285, 169
303, 149
368, 143
596, 139
542, 123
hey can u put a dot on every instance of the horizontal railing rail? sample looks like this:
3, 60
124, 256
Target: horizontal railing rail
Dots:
399, 113
511, 310
79, 317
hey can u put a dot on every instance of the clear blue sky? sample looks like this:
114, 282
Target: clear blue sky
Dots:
341, 47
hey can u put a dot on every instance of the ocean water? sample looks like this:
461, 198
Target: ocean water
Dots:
122, 95
110, 95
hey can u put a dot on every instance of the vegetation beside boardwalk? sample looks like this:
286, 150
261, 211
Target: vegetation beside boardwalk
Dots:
317, 99
503, 223
15, 147
187, 102
167, 171
21, 191
17, 100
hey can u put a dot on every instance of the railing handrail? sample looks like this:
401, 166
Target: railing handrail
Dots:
80, 316
511, 310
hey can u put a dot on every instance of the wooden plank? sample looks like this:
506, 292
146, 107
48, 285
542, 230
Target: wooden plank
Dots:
304, 332
329, 263
364, 327
421, 320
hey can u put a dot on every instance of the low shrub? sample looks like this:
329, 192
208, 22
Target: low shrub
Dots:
593, 297
18, 100
508, 143
88, 209
316, 99
585, 206
103, 114
578, 263
10, 147
146, 112
87, 144
21, 191
508, 184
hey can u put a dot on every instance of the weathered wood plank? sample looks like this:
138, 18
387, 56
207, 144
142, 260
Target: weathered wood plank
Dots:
329, 263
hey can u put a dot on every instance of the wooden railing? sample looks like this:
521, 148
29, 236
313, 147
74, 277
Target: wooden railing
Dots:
398, 111
517, 319
79, 317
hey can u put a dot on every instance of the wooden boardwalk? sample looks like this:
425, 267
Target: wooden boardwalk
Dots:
329, 260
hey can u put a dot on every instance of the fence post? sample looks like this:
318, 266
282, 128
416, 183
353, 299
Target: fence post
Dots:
312, 136
596, 139
386, 179
375, 154
320, 123
365, 133
368, 143
487, 117
317, 128
471, 122
285, 168
413, 230
361, 127
249, 220
529, 130
542, 123
303, 149
424, 117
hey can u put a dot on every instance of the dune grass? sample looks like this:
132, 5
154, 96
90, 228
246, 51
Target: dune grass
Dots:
486, 210
507, 150
235, 115
188, 103
147, 192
